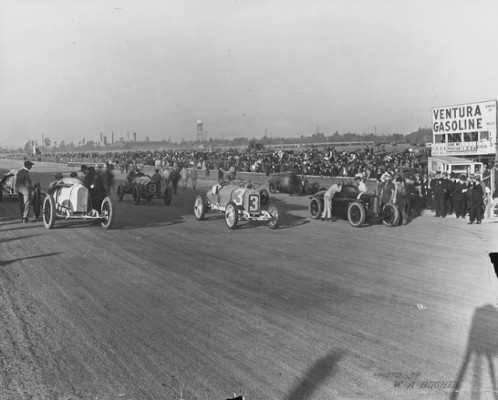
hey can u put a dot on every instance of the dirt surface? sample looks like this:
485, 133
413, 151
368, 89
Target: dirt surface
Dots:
163, 306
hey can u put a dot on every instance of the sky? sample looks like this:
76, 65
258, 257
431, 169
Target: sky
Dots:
71, 70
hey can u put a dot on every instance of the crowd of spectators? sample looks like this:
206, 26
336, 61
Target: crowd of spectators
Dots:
370, 162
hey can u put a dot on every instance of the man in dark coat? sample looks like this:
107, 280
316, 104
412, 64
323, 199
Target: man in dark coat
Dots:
475, 201
459, 197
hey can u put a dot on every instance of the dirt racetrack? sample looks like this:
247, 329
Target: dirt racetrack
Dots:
163, 306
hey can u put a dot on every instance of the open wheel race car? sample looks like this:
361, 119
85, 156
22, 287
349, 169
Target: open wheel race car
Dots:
356, 207
239, 202
8, 189
144, 187
70, 199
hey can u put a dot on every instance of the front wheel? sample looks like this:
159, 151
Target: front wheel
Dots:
168, 195
356, 214
199, 208
231, 215
107, 213
274, 211
315, 208
391, 215
264, 196
37, 200
136, 195
121, 192
49, 212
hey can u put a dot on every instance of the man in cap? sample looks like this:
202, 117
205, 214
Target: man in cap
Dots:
460, 197
358, 182
387, 189
24, 189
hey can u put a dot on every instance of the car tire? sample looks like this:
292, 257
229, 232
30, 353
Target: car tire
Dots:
273, 188
391, 216
231, 215
168, 195
136, 195
264, 197
315, 208
49, 212
121, 192
274, 210
199, 208
356, 214
107, 213
37, 200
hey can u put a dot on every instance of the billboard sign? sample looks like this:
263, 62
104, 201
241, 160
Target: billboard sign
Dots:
466, 129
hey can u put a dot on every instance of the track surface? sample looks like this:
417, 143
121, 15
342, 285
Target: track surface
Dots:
167, 307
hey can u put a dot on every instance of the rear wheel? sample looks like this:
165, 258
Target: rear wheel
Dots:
107, 213
231, 215
199, 208
136, 195
49, 212
121, 192
391, 215
274, 211
168, 195
315, 208
37, 200
296, 189
356, 214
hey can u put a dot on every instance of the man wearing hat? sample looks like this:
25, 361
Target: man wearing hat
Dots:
24, 189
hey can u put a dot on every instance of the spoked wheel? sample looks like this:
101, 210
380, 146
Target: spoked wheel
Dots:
356, 214
37, 200
273, 188
49, 212
264, 197
315, 208
199, 208
136, 195
231, 215
391, 215
168, 195
274, 211
121, 192
107, 213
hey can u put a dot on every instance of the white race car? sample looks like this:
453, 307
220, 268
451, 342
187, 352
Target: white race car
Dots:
70, 199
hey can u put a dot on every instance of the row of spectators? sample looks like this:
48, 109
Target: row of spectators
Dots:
328, 162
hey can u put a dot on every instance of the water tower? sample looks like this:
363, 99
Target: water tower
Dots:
201, 135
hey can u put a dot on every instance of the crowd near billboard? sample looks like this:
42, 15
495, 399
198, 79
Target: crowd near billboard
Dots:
465, 129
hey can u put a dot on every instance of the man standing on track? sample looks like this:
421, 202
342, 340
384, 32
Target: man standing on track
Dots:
327, 201
24, 189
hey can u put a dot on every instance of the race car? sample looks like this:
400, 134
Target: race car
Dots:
144, 187
355, 206
239, 202
285, 182
70, 199
8, 189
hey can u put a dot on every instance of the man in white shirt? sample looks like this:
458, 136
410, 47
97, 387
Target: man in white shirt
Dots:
327, 201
